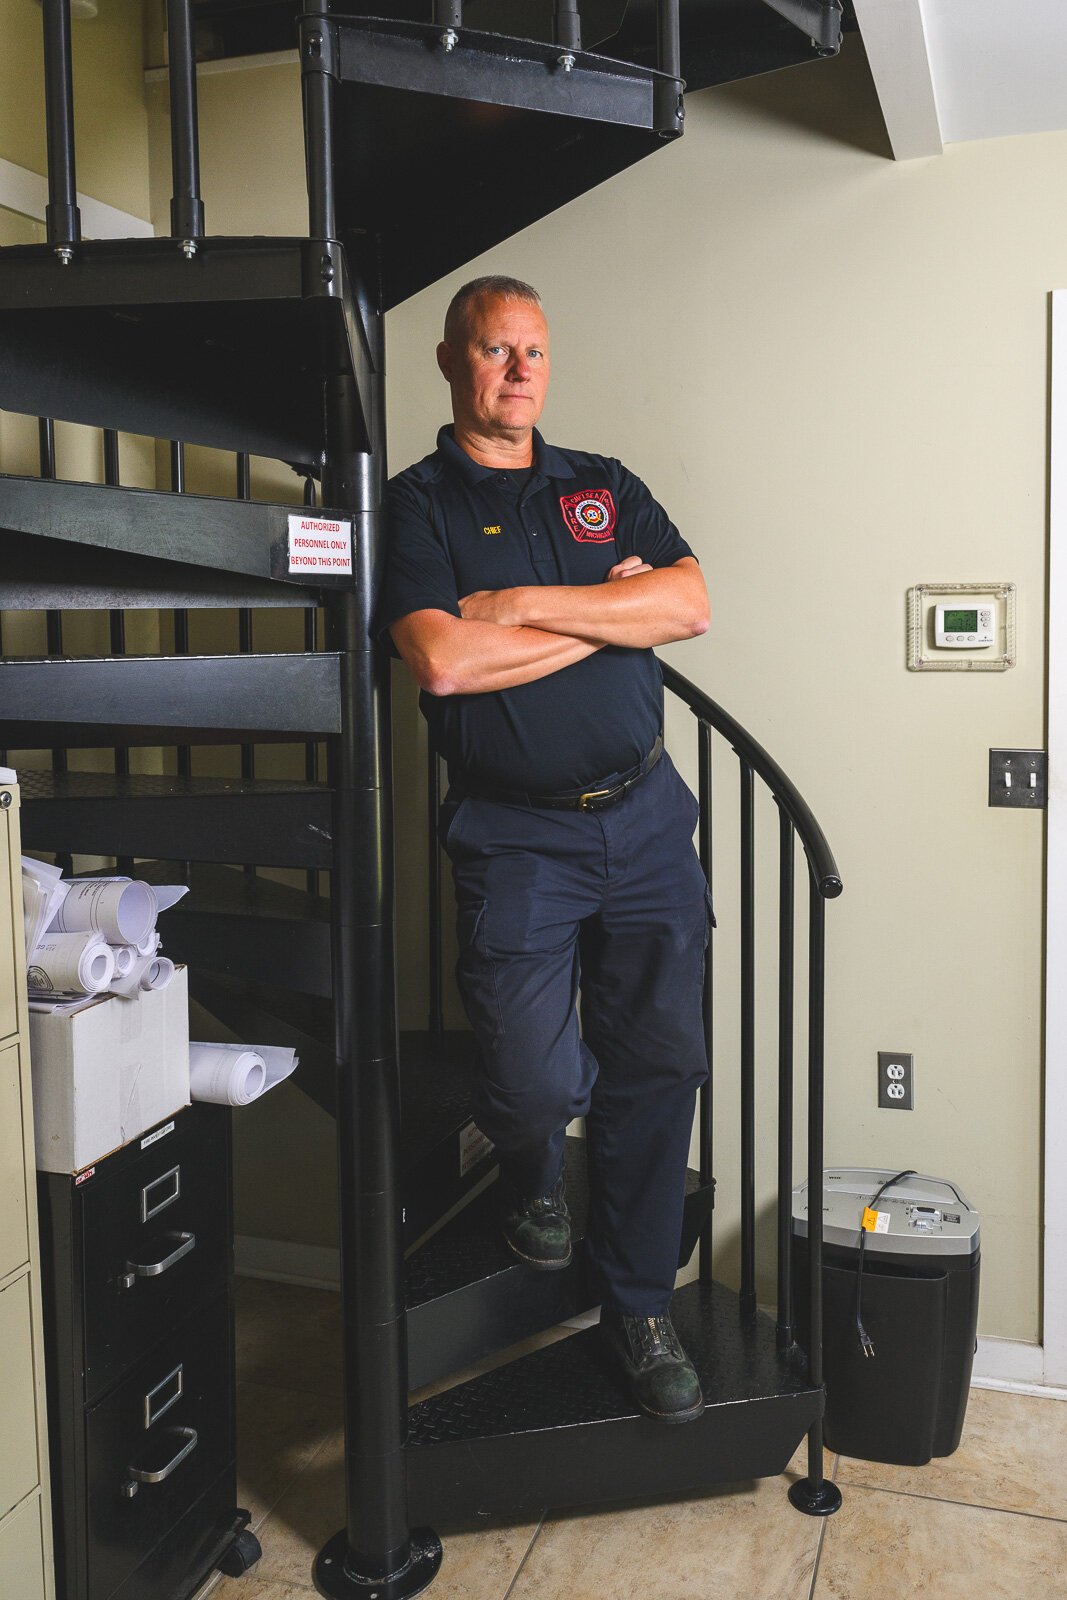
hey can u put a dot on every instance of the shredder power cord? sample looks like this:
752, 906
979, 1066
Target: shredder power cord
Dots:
866, 1342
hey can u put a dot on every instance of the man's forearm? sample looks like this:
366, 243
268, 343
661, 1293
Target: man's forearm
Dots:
449, 655
640, 612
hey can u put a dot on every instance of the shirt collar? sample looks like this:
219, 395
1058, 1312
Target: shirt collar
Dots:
550, 462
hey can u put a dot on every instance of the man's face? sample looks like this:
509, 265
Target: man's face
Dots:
498, 369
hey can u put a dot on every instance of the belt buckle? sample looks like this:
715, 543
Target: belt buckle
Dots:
586, 800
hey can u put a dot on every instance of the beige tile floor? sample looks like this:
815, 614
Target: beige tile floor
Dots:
988, 1523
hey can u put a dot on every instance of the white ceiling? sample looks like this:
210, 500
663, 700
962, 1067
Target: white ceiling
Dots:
948, 70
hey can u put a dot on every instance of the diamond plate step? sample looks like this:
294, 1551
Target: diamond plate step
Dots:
555, 1429
468, 1296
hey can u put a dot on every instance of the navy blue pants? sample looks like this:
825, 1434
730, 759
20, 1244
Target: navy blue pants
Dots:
614, 902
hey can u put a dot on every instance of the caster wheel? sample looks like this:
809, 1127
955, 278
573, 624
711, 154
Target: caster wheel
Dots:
243, 1553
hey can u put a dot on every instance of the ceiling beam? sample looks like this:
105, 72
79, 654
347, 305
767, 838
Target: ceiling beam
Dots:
895, 40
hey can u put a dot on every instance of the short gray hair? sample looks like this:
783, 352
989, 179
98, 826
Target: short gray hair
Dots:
494, 287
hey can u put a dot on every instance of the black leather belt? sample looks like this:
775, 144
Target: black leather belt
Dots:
595, 799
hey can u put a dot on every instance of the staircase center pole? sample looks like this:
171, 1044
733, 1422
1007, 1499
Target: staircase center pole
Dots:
376, 1555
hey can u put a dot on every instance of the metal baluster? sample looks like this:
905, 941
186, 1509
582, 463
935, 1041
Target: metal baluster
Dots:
186, 206
46, 437
707, 1093
814, 1494
181, 616
117, 619
784, 1330
567, 29
244, 615
433, 862
669, 50
448, 16
748, 1045
244, 630
62, 218
311, 749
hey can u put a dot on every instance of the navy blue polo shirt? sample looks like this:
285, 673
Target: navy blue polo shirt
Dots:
454, 527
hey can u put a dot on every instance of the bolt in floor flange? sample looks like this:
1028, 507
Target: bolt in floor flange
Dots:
334, 1580
820, 1502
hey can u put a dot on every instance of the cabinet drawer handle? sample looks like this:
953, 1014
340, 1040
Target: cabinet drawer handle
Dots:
153, 1269
138, 1477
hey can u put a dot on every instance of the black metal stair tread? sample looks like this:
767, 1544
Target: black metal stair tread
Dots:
733, 39
554, 135
234, 924
440, 1161
470, 1249
245, 332
572, 1382
88, 578
249, 537
266, 821
436, 1070
555, 1428
68, 700
468, 1296
225, 892
47, 786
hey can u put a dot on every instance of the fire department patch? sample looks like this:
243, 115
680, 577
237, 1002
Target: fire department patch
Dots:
590, 515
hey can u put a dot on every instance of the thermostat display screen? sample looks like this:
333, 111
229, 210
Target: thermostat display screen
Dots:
961, 621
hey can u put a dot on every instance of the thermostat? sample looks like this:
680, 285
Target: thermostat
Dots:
964, 627
961, 627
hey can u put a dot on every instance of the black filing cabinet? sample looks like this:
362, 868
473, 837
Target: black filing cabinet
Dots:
137, 1258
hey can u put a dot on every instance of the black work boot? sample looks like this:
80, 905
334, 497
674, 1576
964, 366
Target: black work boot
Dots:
658, 1373
538, 1228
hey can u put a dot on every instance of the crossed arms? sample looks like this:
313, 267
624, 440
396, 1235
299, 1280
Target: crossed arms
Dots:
504, 637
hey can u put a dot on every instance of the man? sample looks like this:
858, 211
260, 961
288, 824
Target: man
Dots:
525, 588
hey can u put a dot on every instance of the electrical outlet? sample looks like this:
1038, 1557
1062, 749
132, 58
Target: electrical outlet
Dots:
894, 1080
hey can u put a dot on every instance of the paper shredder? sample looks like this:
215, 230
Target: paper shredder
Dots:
917, 1299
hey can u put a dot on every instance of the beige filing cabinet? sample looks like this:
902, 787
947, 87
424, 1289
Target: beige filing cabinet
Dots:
25, 1514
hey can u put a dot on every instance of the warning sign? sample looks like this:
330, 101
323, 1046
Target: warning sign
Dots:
320, 544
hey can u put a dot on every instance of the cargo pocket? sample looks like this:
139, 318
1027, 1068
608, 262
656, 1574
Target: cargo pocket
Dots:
709, 908
476, 973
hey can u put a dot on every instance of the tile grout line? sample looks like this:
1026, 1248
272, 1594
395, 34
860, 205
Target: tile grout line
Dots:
965, 1505
526, 1556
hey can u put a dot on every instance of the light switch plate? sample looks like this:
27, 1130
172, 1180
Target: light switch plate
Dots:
1018, 778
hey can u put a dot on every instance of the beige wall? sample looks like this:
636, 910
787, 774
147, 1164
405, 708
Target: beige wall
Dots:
833, 369
109, 110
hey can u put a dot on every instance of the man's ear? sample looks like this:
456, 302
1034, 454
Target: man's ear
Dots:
444, 360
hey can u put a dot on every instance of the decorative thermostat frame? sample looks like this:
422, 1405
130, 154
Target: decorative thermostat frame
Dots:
923, 655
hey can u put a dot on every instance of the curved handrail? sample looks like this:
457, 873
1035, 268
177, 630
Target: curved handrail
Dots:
787, 796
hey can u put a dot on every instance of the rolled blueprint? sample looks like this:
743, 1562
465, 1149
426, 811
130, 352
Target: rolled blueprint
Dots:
148, 970
71, 963
124, 912
125, 956
158, 973
237, 1074
225, 1075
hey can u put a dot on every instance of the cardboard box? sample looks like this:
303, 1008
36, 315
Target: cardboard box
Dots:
104, 1074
